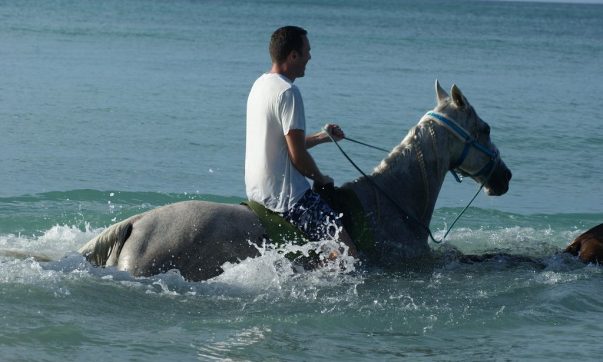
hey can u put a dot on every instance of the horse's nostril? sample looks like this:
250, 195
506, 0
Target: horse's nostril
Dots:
509, 175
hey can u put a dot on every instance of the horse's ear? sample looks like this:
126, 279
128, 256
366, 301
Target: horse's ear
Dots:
458, 98
440, 92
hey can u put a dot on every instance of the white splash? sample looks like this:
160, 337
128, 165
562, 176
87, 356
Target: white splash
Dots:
272, 269
53, 244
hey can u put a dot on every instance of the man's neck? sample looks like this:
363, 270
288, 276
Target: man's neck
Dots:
282, 70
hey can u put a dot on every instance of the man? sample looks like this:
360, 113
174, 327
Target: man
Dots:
277, 161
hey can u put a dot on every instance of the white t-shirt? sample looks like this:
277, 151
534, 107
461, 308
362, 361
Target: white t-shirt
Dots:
274, 107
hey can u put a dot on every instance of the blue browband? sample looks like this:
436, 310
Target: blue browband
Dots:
470, 141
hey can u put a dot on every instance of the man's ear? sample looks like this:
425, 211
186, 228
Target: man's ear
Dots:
293, 55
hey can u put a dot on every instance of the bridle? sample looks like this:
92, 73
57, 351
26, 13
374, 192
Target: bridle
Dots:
470, 142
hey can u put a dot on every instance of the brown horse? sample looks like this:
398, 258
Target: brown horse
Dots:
588, 246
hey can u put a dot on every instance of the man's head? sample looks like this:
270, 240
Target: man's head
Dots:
290, 50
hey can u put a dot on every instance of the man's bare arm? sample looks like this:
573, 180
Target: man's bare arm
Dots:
322, 137
301, 158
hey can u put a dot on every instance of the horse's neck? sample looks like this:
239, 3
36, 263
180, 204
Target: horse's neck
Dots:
411, 176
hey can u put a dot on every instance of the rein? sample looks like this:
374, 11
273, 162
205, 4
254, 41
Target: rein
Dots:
458, 131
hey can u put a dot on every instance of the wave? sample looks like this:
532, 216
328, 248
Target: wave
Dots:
161, 198
269, 273
128, 197
87, 208
58, 240
36, 213
271, 279
53, 243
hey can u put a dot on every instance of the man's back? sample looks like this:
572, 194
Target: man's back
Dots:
274, 107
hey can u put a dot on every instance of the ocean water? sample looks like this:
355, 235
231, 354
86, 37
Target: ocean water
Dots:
111, 108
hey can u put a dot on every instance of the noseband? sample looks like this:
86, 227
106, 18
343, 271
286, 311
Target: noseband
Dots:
470, 142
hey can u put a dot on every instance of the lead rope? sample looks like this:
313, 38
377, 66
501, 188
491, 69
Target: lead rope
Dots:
400, 209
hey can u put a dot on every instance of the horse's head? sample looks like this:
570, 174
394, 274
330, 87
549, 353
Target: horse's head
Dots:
472, 153
588, 246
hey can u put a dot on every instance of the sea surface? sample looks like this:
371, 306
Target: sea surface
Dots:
111, 108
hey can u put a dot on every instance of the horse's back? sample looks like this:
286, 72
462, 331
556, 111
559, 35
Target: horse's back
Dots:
196, 237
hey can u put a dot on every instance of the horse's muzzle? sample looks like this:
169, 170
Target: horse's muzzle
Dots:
498, 184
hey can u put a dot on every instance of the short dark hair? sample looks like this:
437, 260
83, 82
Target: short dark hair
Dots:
285, 40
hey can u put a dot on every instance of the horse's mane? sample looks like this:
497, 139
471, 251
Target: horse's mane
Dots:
401, 152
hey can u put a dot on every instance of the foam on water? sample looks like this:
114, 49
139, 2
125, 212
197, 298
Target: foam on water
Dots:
52, 243
272, 268
514, 239
270, 273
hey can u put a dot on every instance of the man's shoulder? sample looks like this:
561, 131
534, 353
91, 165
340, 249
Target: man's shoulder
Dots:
275, 82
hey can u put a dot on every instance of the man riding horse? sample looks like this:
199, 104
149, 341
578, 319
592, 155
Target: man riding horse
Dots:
277, 160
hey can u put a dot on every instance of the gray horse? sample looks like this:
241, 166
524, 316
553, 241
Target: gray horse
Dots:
397, 199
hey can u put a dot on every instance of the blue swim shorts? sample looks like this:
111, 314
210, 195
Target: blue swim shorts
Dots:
314, 217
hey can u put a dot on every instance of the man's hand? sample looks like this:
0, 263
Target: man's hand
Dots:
323, 180
323, 136
335, 131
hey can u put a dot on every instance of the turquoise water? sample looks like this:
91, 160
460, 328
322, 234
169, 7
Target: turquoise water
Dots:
108, 109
